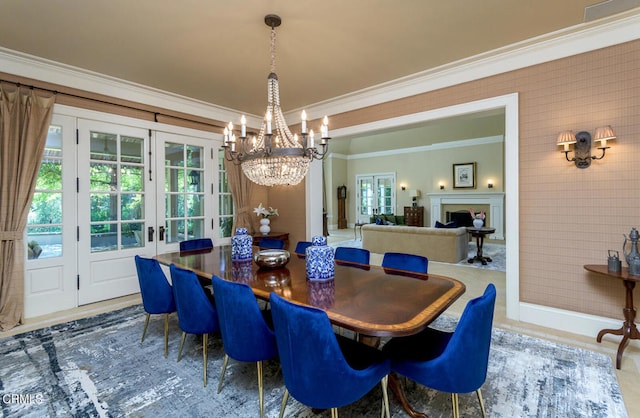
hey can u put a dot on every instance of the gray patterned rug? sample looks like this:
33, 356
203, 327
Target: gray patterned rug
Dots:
97, 367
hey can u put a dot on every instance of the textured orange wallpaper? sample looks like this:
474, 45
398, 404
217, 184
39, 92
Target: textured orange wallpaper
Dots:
568, 217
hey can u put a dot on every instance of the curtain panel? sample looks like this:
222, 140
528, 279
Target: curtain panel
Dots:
241, 188
25, 115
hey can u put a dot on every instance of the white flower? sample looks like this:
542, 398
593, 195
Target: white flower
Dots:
262, 211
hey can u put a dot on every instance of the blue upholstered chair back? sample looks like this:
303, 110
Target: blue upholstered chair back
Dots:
354, 255
458, 361
196, 244
313, 366
408, 262
271, 243
301, 247
157, 295
245, 333
196, 314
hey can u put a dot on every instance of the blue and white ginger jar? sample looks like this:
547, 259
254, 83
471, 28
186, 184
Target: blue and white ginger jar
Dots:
320, 259
241, 245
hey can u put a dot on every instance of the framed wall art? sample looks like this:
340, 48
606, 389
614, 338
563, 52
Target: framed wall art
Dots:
464, 176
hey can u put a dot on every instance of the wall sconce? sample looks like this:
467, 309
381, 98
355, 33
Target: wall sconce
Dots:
414, 195
441, 184
582, 148
490, 184
403, 186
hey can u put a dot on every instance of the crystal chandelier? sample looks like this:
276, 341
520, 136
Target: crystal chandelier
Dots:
275, 156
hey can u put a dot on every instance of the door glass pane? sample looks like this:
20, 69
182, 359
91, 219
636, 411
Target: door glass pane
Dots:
132, 235
195, 205
194, 156
44, 231
132, 150
195, 180
104, 146
174, 154
174, 230
104, 237
174, 205
225, 199
132, 178
104, 207
132, 206
366, 197
174, 180
103, 177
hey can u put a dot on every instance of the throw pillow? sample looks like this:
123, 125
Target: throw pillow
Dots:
379, 221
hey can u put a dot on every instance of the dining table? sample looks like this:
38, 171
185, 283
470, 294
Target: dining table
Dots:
369, 300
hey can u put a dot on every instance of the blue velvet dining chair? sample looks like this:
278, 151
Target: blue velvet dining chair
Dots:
353, 255
301, 247
408, 262
321, 369
454, 362
157, 294
246, 333
271, 244
196, 314
196, 244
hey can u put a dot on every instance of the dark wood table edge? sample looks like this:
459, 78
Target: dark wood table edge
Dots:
628, 330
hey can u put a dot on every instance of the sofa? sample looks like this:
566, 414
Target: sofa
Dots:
448, 245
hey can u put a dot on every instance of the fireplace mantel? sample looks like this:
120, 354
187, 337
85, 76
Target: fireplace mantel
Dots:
495, 200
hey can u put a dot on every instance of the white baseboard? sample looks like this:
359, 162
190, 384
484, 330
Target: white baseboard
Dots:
568, 321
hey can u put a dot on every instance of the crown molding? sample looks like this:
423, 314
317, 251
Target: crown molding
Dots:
578, 39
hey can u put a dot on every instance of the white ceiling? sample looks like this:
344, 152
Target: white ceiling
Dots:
218, 51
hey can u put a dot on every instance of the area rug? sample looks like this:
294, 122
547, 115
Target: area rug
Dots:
98, 367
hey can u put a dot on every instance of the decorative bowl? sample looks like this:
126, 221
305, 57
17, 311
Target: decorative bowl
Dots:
272, 259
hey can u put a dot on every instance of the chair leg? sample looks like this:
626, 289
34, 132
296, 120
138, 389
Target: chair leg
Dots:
205, 341
334, 412
283, 405
484, 413
146, 324
385, 397
184, 335
454, 404
166, 335
224, 369
260, 389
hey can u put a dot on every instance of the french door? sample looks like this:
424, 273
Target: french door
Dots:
116, 206
375, 195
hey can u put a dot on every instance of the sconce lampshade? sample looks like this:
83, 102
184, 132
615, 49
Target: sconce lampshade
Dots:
604, 134
566, 137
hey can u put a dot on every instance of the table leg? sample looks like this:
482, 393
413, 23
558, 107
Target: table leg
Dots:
628, 330
398, 391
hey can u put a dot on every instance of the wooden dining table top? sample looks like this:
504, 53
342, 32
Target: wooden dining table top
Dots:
366, 299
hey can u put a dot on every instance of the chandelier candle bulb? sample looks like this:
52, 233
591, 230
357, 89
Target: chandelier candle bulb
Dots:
304, 122
311, 144
269, 123
243, 132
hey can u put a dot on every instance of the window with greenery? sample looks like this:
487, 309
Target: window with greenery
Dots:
44, 223
225, 199
184, 192
116, 192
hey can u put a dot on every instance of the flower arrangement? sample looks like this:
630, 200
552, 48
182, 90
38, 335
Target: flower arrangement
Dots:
264, 212
476, 215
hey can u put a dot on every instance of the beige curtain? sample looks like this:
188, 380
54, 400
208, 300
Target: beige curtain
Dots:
24, 122
241, 191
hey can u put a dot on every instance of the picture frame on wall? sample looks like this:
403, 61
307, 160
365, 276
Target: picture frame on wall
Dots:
464, 176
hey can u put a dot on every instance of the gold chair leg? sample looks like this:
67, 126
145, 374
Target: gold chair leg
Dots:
166, 335
205, 341
224, 369
260, 389
385, 397
184, 335
283, 405
334, 412
484, 413
454, 404
146, 324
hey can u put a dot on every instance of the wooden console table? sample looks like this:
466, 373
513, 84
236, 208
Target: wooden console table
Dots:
629, 331
479, 235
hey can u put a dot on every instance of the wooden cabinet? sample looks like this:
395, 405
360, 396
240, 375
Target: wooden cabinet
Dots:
342, 210
414, 215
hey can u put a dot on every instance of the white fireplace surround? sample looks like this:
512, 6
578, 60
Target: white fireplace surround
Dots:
494, 200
